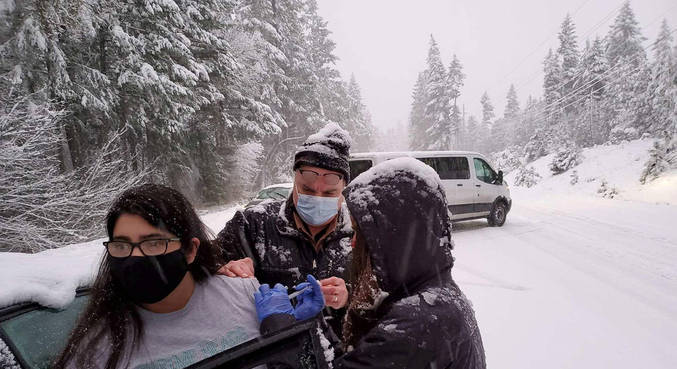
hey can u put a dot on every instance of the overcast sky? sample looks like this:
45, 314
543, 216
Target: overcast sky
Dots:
385, 43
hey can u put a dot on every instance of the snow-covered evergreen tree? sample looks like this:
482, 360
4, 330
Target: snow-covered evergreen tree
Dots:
359, 121
473, 134
662, 158
627, 107
565, 158
487, 109
417, 122
455, 82
661, 90
568, 55
512, 107
438, 105
552, 93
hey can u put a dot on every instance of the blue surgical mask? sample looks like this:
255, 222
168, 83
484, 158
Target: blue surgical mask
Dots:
316, 210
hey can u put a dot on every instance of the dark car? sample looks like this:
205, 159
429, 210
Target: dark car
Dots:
31, 336
278, 191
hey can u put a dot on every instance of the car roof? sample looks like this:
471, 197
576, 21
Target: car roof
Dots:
51, 277
420, 154
284, 185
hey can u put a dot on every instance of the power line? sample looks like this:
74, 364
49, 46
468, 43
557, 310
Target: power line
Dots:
543, 116
580, 72
601, 22
519, 64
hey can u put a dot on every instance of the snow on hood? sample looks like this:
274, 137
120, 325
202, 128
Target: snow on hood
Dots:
49, 278
401, 209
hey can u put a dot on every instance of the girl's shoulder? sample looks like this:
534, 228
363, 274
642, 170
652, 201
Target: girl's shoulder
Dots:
236, 284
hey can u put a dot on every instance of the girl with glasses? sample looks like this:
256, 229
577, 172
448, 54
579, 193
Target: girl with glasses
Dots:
156, 301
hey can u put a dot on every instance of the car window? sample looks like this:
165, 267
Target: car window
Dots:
357, 167
275, 193
484, 172
39, 335
450, 167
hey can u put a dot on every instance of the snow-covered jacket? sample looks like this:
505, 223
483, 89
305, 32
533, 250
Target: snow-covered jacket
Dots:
281, 252
425, 321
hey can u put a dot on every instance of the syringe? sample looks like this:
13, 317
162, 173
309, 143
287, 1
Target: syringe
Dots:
294, 294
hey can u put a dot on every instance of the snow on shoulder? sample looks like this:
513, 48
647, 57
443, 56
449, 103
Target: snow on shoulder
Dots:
49, 278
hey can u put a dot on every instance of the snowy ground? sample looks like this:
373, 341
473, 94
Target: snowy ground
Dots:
572, 280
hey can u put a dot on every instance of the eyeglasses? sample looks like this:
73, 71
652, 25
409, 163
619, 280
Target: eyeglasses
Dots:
123, 249
311, 176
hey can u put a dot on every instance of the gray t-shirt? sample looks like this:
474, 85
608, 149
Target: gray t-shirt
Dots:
219, 315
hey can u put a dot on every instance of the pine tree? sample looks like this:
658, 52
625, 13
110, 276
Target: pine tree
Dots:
552, 81
417, 123
455, 81
627, 109
438, 105
487, 109
592, 70
359, 122
485, 127
512, 105
473, 134
624, 40
661, 90
568, 55
511, 116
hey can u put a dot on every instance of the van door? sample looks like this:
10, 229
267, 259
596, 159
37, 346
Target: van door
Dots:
454, 171
485, 185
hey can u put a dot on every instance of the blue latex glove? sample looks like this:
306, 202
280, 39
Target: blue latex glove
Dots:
271, 301
311, 301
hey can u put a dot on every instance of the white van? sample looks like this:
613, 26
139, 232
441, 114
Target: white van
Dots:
474, 189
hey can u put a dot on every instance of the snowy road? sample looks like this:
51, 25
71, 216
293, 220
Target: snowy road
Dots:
574, 282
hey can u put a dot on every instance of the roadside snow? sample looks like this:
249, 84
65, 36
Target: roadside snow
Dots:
51, 277
618, 166
573, 281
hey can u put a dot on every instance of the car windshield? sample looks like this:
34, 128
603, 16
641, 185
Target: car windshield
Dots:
275, 193
39, 335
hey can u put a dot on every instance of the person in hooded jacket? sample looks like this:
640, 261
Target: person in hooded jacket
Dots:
308, 233
405, 310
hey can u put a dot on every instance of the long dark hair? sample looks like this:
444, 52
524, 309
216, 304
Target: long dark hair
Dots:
109, 313
360, 318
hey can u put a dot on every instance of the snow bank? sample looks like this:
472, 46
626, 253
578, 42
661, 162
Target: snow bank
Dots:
51, 277
610, 171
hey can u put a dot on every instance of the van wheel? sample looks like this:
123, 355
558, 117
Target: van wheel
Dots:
497, 216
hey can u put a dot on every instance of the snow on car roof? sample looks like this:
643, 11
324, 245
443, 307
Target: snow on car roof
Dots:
285, 185
395, 154
49, 278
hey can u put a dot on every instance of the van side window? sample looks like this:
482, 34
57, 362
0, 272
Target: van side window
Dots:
449, 168
357, 167
484, 172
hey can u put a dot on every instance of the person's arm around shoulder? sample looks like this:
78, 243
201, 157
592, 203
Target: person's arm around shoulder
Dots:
230, 241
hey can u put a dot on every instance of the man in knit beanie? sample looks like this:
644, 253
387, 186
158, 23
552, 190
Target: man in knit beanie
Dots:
308, 233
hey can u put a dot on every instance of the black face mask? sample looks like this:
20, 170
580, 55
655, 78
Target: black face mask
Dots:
149, 279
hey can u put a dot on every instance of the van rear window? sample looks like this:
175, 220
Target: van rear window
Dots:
450, 167
357, 167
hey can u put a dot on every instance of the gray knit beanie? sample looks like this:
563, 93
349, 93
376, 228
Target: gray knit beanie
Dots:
327, 149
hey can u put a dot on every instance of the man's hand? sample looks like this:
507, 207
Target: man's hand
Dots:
335, 292
311, 301
243, 268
